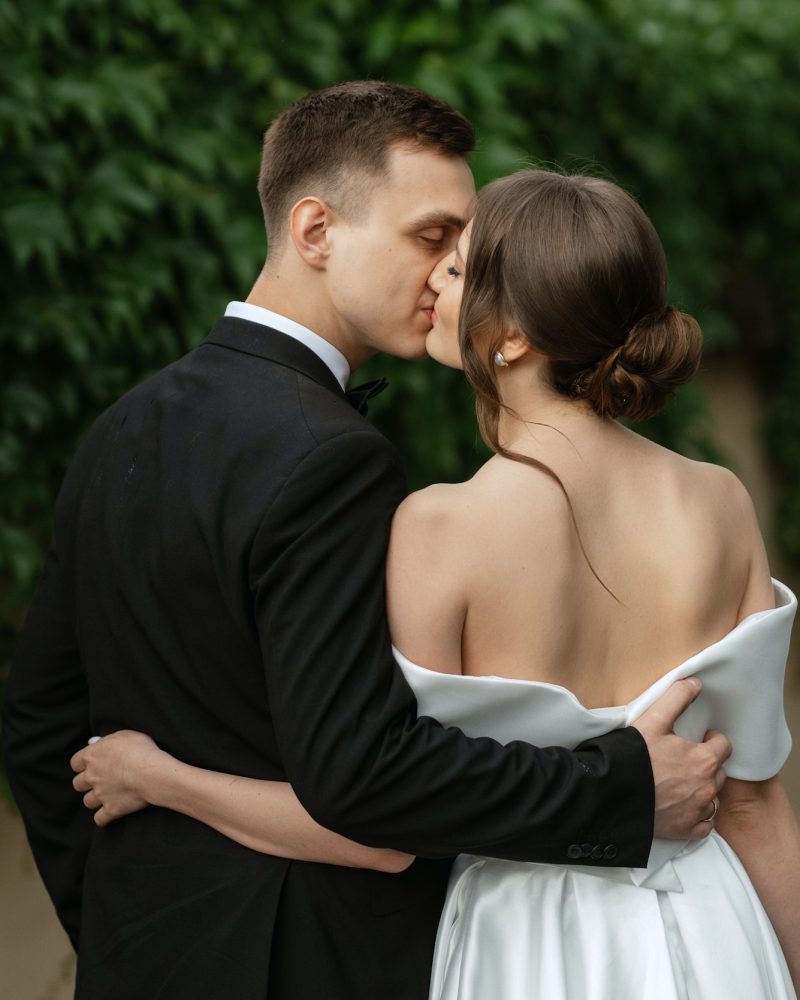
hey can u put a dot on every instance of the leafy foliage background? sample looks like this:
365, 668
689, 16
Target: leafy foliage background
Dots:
130, 135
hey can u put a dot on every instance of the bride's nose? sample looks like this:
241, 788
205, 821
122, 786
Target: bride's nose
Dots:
437, 275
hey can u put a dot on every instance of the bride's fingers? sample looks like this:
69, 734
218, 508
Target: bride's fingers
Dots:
78, 761
81, 783
102, 817
91, 800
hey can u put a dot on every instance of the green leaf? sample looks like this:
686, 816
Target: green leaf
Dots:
37, 227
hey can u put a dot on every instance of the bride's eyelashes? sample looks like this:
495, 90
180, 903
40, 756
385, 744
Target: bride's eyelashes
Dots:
453, 272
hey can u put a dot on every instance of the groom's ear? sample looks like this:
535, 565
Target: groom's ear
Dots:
309, 221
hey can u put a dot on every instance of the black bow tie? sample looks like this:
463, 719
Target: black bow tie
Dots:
359, 396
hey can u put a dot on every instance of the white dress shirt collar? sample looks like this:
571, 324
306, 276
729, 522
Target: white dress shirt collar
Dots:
324, 350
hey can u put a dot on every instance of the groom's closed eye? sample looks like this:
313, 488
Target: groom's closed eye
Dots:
436, 230
434, 239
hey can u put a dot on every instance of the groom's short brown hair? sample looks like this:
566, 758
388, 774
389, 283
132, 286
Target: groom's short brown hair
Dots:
334, 143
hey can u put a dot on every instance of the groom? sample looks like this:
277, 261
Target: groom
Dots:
216, 580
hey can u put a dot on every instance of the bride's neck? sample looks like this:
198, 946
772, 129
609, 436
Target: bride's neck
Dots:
530, 402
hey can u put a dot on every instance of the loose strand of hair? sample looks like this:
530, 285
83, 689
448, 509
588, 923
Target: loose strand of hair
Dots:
488, 423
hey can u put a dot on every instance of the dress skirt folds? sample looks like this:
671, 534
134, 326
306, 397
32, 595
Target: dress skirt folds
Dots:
541, 932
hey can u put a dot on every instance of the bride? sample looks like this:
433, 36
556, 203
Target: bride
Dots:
553, 597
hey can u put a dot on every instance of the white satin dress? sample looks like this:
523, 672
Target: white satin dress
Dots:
689, 926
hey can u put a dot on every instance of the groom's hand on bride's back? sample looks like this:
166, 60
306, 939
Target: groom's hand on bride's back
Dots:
687, 775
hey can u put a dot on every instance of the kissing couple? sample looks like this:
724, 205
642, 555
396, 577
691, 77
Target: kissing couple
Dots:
214, 605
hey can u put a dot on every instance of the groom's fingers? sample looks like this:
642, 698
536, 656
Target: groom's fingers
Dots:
719, 743
660, 718
721, 746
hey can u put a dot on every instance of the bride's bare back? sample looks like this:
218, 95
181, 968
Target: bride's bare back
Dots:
488, 576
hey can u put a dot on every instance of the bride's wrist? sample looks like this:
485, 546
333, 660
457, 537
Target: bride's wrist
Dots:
157, 780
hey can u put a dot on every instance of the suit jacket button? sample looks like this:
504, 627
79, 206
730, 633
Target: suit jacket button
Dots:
586, 850
611, 852
574, 852
598, 853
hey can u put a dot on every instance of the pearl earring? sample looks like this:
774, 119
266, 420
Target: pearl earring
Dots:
500, 361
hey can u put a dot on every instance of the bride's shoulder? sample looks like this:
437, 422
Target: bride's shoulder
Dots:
710, 482
457, 505
434, 508
662, 465
436, 527
721, 502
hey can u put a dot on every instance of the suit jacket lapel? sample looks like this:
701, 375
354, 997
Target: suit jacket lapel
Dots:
272, 345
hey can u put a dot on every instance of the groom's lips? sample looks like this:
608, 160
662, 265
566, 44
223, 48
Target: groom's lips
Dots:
430, 312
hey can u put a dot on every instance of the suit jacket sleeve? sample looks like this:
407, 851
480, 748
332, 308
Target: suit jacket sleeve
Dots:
45, 720
360, 760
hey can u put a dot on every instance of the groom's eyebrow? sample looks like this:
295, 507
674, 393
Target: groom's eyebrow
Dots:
436, 220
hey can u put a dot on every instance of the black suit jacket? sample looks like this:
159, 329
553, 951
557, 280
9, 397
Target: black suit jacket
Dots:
216, 579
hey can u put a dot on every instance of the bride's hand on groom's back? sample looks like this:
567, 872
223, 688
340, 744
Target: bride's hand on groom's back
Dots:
112, 773
687, 775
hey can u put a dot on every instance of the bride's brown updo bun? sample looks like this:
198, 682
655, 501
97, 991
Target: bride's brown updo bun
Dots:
575, 265
661, 352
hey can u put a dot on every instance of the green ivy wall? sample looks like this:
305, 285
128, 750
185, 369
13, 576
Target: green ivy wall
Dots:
130, 135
